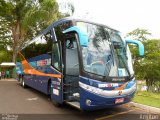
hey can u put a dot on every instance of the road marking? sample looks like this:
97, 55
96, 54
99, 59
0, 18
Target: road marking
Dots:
5, 80
120, 113
32, 99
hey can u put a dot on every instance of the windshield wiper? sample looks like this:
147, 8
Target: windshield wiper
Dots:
108, 64
107, 69
112, 53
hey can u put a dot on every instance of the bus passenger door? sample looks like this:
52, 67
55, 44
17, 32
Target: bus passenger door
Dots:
56, 83
71, 70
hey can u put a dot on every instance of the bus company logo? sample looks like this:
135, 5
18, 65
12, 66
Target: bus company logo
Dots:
120, 92
108, 85
44, 62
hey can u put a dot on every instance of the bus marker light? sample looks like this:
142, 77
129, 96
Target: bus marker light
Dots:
88, 102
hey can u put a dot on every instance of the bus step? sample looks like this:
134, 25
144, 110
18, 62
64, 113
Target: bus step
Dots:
72, 98
74, 104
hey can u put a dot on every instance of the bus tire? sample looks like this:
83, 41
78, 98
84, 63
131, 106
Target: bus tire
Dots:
23, 83
56, 104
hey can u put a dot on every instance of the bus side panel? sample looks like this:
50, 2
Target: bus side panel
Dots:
56, 90
38, 71
28, 79
41, 83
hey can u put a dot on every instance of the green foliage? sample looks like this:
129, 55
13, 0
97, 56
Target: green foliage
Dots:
5, 40
41, 15
148, 67
147, 98
5, 56
152, 63
5, 36
139, 34
24, 19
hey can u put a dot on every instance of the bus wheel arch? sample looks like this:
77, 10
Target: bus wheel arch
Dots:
56, 104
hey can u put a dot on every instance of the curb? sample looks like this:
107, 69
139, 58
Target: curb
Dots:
8, 80
146, 108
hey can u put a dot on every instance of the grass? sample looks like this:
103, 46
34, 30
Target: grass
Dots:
147, 98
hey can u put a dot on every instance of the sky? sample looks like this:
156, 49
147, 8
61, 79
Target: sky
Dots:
123, 15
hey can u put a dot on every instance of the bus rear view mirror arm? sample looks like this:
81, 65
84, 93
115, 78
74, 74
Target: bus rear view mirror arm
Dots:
140, 46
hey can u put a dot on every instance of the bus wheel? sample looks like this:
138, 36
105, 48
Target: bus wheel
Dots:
56, 104
23, 83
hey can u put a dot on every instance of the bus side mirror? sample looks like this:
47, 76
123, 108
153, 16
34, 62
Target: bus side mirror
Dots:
83, 37
140, 46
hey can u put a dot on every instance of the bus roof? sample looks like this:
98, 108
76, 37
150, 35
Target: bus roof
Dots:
74, 20
65, 20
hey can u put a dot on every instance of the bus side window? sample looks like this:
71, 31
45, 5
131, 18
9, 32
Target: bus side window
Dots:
56, 56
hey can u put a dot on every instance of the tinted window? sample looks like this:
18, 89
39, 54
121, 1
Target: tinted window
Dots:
97, 55
40, 45
56, 56
72, 62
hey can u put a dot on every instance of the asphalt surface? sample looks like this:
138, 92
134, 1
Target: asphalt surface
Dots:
17, 103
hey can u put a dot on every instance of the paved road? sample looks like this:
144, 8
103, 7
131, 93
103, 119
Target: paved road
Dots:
17, 103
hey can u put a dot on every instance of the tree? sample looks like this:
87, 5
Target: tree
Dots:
151, 63
5, 41
66, 7
5, 56
148, 67
5, 36
139, 34
24, 18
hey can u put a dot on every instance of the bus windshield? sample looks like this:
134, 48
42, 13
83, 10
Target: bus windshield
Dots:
106, 53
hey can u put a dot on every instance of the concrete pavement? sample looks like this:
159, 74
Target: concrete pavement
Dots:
147, 108
29, 104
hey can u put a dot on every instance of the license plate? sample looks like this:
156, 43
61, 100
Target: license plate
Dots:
119, 100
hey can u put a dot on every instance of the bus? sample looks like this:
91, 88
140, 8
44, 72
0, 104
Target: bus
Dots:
81, 63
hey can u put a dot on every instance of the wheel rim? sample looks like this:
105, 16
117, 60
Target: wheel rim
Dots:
23, 83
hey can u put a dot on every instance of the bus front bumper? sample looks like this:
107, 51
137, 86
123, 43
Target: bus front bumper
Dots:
92, 100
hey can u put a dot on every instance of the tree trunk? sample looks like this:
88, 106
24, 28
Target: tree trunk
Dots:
15, 51
17, 40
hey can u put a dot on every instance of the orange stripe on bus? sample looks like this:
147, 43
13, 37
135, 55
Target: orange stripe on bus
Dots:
28, 69
122, 87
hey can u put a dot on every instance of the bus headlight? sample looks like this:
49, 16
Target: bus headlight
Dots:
88, 102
